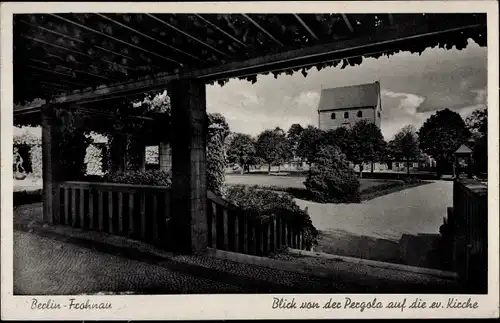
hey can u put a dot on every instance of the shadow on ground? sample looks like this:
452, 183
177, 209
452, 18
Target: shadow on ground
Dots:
415, 250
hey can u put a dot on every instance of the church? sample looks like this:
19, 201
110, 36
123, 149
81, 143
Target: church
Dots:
344, 106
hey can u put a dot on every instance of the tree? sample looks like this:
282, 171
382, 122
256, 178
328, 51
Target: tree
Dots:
441, 135
367, 144
339, 137
404, 146
310, 142
477, 124
293, 137
272, 147
241, 150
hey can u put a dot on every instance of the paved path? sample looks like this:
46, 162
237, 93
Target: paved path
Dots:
59, 260
415, 210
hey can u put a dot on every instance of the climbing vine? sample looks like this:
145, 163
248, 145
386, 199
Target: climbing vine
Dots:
218, 130
71, 143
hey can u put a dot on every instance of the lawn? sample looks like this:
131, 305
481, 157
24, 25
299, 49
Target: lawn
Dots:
288, 181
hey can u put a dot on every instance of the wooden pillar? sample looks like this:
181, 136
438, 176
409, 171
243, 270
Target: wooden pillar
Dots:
189, 188
50, 167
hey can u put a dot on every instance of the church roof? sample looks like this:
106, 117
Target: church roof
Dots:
348, 97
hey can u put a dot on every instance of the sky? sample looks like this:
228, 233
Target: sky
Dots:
413, 87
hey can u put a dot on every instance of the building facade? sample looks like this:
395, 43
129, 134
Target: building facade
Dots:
344, 106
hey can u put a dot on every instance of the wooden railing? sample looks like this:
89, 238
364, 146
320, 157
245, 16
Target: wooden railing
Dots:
469, 224
142, 212
231, 229
138, 211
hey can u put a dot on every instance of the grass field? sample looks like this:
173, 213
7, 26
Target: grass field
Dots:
287, 181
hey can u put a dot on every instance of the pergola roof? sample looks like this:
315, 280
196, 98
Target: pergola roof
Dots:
85, 58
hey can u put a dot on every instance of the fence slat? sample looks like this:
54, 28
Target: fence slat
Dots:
167, 207
101, 210
278, 233
225, 229
259, 238
285, 234
57, 210
73, 207
273, 235
131, 218
267, 237
236, 246
155, 217
65, 217
253, 242
120, 212
110, 212
81, 204
91, 209
143, 215
214, 225
244, 228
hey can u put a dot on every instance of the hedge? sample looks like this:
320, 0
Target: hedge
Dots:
27, 197
261, 203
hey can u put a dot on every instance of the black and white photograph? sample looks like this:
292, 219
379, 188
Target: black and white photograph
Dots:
233, 152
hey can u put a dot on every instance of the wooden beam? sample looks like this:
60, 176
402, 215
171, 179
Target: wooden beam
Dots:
76, 40
151, 38
387, 37
262, 29
186, 34
348, 23
54, 45
53, 72
115, 39
57, 85
69, 68
71, 84
309, 30
313, 54
222, 31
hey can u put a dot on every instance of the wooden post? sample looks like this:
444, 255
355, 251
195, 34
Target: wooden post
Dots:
469, 166
273, 235
225, 229
189, 188
50, 168
236, 245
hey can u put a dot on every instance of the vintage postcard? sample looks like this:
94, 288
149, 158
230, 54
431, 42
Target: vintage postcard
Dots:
278, 160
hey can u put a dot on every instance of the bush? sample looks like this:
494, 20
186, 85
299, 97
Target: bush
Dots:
27, 197
148, 177
261, 203
331, 179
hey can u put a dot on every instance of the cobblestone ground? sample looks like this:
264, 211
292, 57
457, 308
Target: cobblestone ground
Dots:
60, 260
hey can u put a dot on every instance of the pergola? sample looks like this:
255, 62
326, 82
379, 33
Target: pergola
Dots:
93, 62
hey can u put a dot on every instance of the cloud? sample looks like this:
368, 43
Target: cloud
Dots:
400, 109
